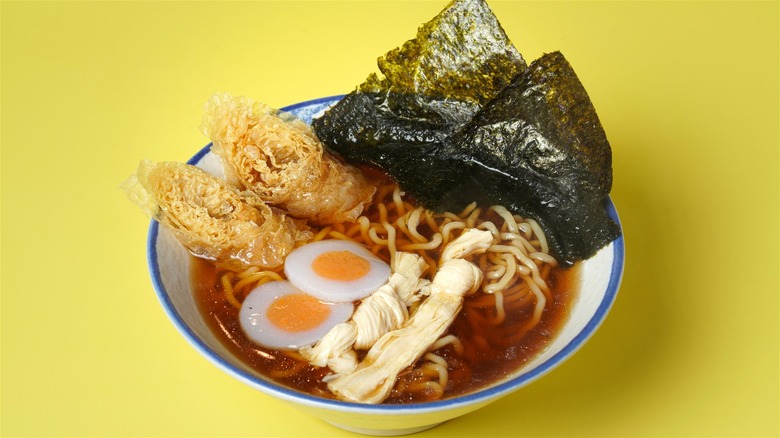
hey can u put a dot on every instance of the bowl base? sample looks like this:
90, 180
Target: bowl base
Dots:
384, 432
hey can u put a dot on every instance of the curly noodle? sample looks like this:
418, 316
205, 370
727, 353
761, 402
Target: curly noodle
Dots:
516, 269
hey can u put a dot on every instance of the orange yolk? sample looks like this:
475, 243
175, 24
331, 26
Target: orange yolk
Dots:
297, 312
340, 265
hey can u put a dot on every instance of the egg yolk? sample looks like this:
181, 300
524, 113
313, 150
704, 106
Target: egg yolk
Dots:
340, 265
297, 312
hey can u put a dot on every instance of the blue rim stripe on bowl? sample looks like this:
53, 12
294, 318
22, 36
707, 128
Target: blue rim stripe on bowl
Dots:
484, 395
322, 100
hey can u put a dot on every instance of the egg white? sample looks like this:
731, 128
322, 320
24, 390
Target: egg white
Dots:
299, 271
262, 331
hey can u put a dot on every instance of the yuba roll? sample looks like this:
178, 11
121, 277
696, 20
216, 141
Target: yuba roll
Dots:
213, 219
280, 159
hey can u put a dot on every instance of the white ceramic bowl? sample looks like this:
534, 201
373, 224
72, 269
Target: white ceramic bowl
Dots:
169, 267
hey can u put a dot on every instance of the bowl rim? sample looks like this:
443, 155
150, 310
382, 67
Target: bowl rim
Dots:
481, 396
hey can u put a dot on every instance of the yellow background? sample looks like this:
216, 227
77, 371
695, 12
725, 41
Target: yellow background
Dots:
687, 93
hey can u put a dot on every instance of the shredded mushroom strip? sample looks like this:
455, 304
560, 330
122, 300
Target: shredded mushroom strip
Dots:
379, 313
374, 377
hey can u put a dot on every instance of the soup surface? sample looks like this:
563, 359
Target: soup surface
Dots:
488, 350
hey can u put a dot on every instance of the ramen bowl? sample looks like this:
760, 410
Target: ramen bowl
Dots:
169, 262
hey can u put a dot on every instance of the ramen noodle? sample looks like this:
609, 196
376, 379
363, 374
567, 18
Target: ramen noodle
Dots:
520, 300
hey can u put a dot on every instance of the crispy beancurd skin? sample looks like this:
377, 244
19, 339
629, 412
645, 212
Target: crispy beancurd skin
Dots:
212, 218
280, 159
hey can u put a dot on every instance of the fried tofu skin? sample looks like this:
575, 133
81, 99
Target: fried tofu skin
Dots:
280, 159
213, 219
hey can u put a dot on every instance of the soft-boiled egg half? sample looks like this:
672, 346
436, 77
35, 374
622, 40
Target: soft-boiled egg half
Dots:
324, 278
280, 316
336, 271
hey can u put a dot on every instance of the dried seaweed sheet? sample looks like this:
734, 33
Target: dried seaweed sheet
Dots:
543, 133
430, 87
536, 147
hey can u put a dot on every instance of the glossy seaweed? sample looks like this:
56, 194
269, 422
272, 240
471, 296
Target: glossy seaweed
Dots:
542, 148
532, 143
430, 86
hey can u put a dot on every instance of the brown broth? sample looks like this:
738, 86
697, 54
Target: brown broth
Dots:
482, 364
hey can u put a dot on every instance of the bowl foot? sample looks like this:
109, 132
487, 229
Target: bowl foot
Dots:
384, 432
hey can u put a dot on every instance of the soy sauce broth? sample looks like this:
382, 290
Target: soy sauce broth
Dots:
487, 358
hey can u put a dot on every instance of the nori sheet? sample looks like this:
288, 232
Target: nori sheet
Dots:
536, 146
542, 148
431, 86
